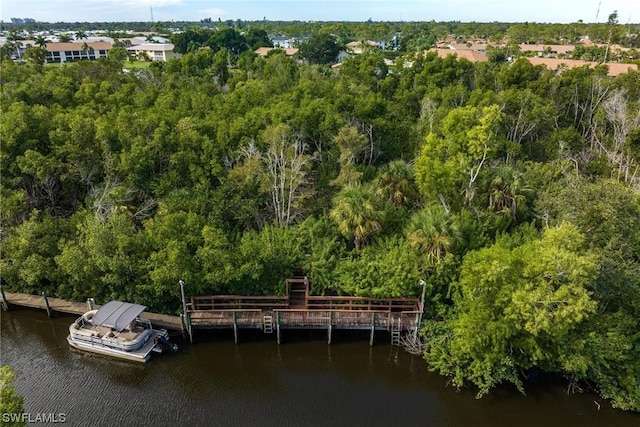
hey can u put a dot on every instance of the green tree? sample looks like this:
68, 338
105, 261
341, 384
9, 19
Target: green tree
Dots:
395, 182
85, 49
434, 233
29, 251
508, 194
257, 37
351, 144
41, 41
10, 402
357, 212
175, 238
320, 49
105, 260
519, 304
35, 54
385, 269
118, 54
230, 39
450, 164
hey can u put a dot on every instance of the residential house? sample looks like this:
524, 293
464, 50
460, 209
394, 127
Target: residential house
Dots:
359, 47
264, 51
614, 68
154, 51
74, 51
470, 55
547, 50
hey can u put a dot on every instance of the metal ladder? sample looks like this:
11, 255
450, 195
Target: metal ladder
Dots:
396, 328
267, 324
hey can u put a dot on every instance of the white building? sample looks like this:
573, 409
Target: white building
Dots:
154, 51
74, 51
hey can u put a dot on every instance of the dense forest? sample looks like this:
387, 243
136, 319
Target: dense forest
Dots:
513, 191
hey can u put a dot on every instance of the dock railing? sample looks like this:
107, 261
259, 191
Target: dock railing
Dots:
319, 311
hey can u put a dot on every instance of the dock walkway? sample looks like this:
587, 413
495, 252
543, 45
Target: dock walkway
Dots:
69, 307
300, 310
295, 310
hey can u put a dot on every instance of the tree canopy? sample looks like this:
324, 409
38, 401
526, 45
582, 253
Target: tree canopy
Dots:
512, 191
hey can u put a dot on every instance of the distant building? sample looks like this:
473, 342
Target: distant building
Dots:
264, 51
154, 51
470, 55
287, 42
22, 20
548, 50
614, 68
342, 55
359, 47
74, 51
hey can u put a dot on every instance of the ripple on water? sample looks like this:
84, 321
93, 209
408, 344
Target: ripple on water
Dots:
258, 383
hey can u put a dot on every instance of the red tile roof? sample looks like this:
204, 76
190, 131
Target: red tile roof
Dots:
554, 63
470, 55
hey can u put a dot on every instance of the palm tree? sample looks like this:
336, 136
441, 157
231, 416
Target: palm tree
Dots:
434, 233
396, 183
85, 49
80, 34
36, 54
64, 38
41, 41
507, 192
13, 40
357, 213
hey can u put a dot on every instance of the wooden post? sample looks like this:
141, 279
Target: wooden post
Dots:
185, 316
188, 324
278, 326
183, 328
90, 303
330, 325
46, 303
424, 290
235, 328
3, 300
373, 328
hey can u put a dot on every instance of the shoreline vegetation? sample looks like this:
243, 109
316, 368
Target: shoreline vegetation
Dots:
511, 189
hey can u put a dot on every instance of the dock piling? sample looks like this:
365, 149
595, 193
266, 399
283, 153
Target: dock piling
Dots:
46, 303
3, 300
91, 303
373, 328
186, 319
235, 327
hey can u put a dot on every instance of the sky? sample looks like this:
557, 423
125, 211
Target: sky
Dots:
560, 11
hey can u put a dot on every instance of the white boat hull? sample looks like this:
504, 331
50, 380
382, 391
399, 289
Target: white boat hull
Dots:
117, 330
141, 355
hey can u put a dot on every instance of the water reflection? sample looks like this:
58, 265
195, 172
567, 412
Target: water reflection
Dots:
304, 381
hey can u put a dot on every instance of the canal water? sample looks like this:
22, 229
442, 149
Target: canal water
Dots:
302, 382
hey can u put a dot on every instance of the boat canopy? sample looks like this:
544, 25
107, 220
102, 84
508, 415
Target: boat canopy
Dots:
117, 314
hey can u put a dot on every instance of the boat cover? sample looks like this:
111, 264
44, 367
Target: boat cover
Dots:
117, 314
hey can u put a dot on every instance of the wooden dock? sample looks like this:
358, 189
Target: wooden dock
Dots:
58, 305
299, 310
296, 310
